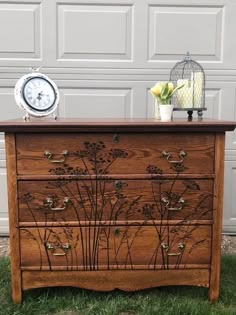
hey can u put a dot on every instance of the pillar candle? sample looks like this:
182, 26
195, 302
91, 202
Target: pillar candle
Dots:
197, 79
184, 96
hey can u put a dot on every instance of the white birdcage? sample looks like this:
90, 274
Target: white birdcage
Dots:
191, 97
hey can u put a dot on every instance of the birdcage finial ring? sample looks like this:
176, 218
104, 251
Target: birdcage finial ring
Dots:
188, 56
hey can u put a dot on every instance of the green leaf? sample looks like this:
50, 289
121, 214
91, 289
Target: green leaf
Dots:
164, 91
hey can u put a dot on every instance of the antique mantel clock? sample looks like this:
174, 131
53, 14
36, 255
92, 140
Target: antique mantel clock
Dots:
37, 94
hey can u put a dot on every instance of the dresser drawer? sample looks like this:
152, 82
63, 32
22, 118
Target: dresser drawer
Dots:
80, 201
106, 153
109, 247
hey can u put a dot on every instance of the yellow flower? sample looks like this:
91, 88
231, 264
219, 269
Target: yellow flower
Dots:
156, 90
171, 87
163, 91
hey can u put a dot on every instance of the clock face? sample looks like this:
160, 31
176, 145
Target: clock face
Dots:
37, 94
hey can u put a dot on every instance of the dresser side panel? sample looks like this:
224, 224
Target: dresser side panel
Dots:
217, 217
13, 217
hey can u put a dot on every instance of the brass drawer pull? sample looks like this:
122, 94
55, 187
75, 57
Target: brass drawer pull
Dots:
181, 247
167, 155
50, 155
49, 202
181, 202
56, 250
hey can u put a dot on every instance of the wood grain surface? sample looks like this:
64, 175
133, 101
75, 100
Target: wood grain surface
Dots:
13, 218
132, 154
113, 200
115, 247
108, 280
133, 204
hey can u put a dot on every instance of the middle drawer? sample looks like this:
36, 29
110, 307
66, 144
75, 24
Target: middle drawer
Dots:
80, 201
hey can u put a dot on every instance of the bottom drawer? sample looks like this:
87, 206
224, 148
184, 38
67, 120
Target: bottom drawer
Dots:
115, 247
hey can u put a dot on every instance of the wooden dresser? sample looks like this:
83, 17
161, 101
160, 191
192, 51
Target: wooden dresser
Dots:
127, 204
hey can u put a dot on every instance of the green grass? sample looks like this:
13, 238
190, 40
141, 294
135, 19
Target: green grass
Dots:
161, 301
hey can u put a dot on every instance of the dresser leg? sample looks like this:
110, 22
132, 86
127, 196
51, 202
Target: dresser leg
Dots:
214, 287
16, 296
16, 288
213, 295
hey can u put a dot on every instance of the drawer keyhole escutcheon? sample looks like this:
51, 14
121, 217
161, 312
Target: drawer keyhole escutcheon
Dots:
167, 201
116, 138
167, 155
118, 184
50, 156
58, 250
165, 247
116, 231
49, 202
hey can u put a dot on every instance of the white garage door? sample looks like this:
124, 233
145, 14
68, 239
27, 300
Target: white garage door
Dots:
105, 55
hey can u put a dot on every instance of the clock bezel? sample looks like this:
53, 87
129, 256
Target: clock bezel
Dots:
22, 102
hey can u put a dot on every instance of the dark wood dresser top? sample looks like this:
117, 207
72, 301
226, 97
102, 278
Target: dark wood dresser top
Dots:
115, 125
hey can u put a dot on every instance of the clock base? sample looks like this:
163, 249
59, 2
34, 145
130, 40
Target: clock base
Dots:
27, 116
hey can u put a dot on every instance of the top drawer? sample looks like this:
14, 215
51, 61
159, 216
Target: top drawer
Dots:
107, 153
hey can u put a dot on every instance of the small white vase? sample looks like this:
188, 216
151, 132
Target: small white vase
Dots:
157, 110
166, 111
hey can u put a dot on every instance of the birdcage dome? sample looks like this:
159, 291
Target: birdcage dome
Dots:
191, 97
